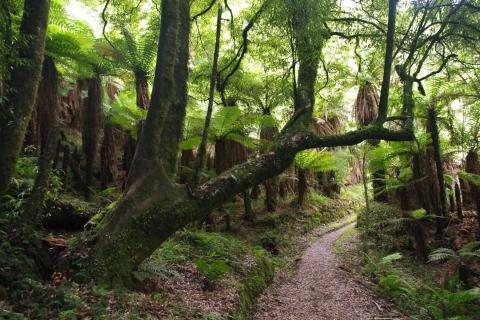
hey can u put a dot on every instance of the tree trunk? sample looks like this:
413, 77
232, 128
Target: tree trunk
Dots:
249, 212
34, 206
173, 130
268, 134
433, 128
365, 181
108, 165
421, 187
65, 165
129, 147
202, 149
91, 128
458, 201
302, 187
16, 108
48, 107
420, 244
141, 90
255, 192
472, 165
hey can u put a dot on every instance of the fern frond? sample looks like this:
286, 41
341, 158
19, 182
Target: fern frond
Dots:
442, 254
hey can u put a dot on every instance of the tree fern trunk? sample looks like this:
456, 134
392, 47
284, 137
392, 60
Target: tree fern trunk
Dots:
91, 128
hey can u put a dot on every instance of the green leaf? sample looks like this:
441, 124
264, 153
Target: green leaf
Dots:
418, 214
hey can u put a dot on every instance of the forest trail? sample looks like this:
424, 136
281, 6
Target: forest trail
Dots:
321, 290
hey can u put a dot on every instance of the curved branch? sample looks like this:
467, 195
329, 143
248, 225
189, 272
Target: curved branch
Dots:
201, 13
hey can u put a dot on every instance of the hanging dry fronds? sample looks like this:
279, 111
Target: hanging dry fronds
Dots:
366, 104
326, 125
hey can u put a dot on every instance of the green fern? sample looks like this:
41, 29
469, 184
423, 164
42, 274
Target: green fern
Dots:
470, 178
442, 254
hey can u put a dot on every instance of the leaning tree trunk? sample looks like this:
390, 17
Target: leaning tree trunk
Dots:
16, 108
91, 128
153, 207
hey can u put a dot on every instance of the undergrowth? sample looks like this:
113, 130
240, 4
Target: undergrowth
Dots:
244, 259
412, 286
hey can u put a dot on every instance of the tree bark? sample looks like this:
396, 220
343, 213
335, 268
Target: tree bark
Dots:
433, 127
458, 201
34, 207
472, 165
247, 203
22, 86
173, 131
302, 187
48, 107
91, 128
141, 89
65, 165
108, 165
268, 135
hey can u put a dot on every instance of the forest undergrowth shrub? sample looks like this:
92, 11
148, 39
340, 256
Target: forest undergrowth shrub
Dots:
213, 254
325, 210
26, 169
419, 297
411, 285
381, 228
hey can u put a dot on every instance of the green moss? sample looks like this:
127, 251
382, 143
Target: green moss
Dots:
257, 280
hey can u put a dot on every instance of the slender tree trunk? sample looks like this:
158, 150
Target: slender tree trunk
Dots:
458, 201
91, 128
432, 117
302, 187
365, 181
34, 206
420, 243
141, 89
387, 66
249, 212
202, 149
65, 165
16, 108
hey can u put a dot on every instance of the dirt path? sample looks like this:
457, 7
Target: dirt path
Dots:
321, 290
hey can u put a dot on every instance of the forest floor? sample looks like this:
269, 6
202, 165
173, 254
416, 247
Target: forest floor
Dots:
322, 289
